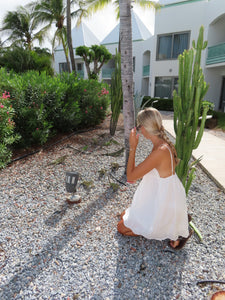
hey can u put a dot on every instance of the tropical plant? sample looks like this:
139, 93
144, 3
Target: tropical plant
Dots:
93, 99
69, 36
116, 94
48, 12
96, 55
22, 28
188, 105
7, 136
123, 8
21, 60
126, 71
78, 13
138, 99
46, 105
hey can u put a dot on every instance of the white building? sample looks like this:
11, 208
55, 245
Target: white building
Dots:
81, 36
176, 26
155, 60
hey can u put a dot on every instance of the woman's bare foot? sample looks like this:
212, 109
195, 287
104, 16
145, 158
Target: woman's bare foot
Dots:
174, 244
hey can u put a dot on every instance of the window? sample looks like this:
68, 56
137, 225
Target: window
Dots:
63, 67
79, 67
171, 45
164, 86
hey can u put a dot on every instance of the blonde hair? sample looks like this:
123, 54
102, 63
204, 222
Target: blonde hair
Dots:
150, 118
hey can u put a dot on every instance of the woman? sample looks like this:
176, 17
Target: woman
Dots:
158, 210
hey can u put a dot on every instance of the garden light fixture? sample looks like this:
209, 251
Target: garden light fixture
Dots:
71, 183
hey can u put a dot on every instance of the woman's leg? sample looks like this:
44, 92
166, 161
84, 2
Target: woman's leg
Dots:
122, 214
124, 230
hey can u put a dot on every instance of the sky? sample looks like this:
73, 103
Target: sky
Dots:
102, 22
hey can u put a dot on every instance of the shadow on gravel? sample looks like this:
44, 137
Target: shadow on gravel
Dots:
57, 215
147, 269
53, 246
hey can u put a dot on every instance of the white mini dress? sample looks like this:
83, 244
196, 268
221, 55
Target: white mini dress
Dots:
158, 210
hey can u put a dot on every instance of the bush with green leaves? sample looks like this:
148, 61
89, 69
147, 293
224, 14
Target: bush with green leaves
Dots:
7, 125
158, 103
93, 99
21, 60
32, 118
45, 105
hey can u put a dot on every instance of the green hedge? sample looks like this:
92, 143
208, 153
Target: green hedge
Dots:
44, 105
160, 104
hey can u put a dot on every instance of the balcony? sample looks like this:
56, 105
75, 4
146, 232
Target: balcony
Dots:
107, 72
216, 54
146, 70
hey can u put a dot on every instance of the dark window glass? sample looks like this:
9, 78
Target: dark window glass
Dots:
164, 86
63, 67
171, 45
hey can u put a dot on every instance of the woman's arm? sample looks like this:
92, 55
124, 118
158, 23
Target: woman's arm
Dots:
152, 161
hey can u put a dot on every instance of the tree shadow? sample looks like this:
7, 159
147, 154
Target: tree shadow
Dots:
41, 260
57, 215
147, 269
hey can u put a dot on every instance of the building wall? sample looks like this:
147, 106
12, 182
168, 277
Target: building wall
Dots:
190, 16
174, 18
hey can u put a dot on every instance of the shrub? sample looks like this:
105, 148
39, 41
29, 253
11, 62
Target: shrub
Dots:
220, 116
31, 118
158, 103
93, 99
45, 105
21, 60
7, 136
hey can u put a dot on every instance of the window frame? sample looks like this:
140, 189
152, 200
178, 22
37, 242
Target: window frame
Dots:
173, 78
172, 34
61, 67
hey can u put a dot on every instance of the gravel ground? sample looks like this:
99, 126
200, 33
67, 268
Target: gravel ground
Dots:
52, 250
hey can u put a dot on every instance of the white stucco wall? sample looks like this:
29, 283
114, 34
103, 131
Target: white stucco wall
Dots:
190, 16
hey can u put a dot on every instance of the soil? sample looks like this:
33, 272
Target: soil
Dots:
63, 137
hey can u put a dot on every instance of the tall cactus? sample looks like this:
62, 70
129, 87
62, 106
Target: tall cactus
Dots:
116, 94
188, 105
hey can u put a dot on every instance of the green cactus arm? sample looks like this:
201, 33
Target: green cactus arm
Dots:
205, 45
175, 104
191, 176
201, 129
188, 66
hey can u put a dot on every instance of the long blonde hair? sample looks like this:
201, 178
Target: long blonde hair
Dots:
150, 118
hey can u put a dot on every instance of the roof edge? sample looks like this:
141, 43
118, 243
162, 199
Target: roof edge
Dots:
181, 3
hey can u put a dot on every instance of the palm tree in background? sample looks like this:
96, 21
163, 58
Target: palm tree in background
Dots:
21, 28
49, 12
123, 10
79, 13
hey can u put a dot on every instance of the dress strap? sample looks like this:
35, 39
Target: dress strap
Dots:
171, 156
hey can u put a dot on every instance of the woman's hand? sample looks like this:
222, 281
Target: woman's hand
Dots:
134, 138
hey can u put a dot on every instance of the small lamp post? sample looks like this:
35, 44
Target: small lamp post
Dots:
71, 183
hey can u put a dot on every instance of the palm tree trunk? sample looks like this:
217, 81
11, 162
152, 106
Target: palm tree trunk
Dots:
69, 37
126, 70
66, 54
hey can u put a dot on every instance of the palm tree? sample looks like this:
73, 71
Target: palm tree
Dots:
126, 70
21, 27
123, 8
69, 37
79, 13
49, 12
